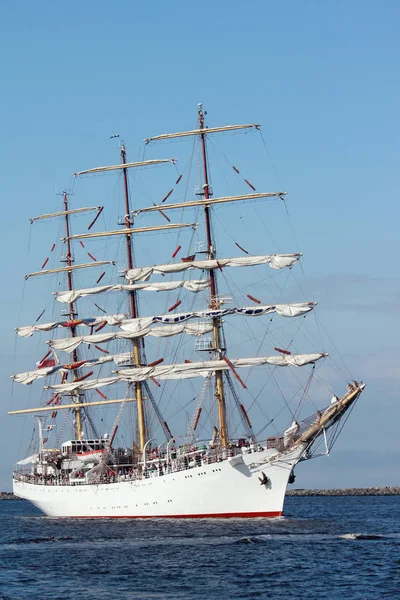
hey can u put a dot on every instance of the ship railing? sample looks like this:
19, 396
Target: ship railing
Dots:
155, 467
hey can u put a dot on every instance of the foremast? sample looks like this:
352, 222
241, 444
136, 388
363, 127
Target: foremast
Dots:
133, 309
219, 383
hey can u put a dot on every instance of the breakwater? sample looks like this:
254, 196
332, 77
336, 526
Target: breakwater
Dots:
371, 491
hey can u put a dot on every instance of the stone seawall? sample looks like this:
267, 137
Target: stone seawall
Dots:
372, 491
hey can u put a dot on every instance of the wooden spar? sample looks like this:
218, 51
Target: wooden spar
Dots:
201, 131
332, 411
137, 354
70, 267
176, 251
132, 231
125, 166
67, 406
210, 201
219, 384
65, 213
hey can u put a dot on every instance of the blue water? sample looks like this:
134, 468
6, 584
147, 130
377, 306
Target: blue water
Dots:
301, 556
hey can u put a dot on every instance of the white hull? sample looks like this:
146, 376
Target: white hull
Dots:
222, 489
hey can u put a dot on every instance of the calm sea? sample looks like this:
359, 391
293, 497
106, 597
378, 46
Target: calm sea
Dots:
313, 552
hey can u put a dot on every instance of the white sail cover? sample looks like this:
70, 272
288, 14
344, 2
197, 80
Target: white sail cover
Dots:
30, 376
275, 261
189, 370
161, 286
71, 343
29, 330
285, 310
141, 327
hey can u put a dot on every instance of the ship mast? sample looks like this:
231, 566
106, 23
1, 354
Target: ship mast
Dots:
72, 315
133, 309
219, 384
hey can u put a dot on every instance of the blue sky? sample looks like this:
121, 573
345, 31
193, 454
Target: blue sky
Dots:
322, 78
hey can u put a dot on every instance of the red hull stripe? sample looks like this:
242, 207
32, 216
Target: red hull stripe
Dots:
250, 515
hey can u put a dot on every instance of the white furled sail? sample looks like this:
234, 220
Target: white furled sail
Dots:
84, 236
145, 163
30, 376
29, 330
275, 261
206, 131
192, 286
210, 201
286, 310
97, 263
70, 344
188, 370
63, 213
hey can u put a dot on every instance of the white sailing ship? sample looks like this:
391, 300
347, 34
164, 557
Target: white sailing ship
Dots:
222, 466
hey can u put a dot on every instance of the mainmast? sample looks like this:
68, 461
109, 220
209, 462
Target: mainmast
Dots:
219, 384
72, 315
133, 309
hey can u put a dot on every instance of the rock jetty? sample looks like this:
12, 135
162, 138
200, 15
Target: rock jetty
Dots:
371, 491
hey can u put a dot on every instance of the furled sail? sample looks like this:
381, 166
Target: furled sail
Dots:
62, 213
71, 343
141, 327
29, 330
129, 231
97, 263
192, 286
188, 370
276, 261
30, 376
210, 201
205, 131
144, 163
285, 310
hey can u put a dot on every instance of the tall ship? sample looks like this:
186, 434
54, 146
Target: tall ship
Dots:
197, 401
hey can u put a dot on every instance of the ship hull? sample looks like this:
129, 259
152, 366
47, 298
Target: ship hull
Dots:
219, 490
